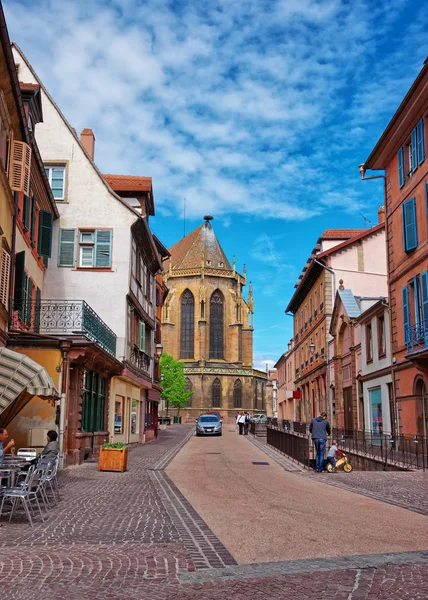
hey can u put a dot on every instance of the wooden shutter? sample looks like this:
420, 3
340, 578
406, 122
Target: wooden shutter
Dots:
19, 169
29, 308
19, 286
4, 277
406, 313
401, 166
103, 247
142, 336
33, 219
414, 149
45, 233
409, 225
26, 213
67, 248
421, 149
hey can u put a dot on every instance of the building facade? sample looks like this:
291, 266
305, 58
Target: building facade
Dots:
208, 324
400, 152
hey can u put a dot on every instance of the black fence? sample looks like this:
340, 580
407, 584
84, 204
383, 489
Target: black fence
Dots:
297, 447
258, 429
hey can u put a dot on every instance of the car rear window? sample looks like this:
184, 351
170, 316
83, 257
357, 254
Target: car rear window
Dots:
208, 419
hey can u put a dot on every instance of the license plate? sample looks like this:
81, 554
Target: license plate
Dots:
209, 430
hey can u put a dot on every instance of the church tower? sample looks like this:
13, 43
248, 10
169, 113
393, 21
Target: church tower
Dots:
208, 324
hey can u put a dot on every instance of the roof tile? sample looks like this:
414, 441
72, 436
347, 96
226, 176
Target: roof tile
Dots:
129, 183
200, 244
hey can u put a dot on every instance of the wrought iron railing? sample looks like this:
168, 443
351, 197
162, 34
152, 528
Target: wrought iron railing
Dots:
66, 317
294, 446
417, 336
140, 360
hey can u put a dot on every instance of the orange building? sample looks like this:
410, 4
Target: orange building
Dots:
400, 151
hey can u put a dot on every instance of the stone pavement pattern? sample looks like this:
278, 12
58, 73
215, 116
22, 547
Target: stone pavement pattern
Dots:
118, 536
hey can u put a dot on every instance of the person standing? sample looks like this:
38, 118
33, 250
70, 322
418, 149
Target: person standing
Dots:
320, 429
241, 423
247, 422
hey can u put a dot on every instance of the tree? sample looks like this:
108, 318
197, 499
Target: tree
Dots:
174, 390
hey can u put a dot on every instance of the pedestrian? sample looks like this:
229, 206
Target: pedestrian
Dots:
247, 422
320, 429
331, 454
241, 422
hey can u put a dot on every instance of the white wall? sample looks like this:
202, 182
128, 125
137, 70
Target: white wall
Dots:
377, 382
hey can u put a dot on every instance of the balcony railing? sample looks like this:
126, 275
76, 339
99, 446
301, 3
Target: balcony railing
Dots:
141, 361
417, 336
66, 317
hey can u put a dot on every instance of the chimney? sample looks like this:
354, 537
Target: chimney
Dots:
381, 215
88, 141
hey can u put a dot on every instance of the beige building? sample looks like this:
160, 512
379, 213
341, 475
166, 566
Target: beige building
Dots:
208, 324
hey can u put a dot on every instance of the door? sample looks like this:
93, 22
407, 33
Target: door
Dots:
376, 417
349, 414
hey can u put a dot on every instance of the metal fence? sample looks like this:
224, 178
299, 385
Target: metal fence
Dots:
297, 447
258, 429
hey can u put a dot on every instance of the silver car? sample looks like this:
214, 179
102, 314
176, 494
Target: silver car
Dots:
208, 425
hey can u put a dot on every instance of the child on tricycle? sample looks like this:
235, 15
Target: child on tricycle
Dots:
333, 464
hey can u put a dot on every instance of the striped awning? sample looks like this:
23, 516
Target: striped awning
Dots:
18, 374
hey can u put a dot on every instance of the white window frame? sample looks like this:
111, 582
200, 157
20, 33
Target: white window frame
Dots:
50, 169
84, 245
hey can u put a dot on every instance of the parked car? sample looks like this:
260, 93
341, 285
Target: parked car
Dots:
217, 414
208, 425
259, 418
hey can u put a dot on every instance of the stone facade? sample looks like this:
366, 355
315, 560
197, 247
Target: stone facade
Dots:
218, 371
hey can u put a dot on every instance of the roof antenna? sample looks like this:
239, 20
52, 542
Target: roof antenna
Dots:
184, 217
367, 223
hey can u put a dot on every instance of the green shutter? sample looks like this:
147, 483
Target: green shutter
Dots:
152, 343
19, 283
26, 213
37, 311
67, 248
103, 248
142, 336
33, 219
45, 233
29, 309
23, 312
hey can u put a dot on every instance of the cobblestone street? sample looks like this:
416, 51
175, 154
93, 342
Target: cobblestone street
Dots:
135, 535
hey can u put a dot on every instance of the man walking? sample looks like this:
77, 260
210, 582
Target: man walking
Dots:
320, 429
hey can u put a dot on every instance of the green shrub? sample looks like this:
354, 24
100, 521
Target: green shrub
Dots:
114, 446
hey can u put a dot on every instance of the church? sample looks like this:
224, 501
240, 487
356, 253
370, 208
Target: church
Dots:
208, 324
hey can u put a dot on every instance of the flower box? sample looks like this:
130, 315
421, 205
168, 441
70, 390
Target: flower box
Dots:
113, 459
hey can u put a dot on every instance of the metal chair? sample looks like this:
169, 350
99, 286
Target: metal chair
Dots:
27, 453
27, 493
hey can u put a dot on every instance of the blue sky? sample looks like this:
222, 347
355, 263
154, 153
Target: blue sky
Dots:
256, 112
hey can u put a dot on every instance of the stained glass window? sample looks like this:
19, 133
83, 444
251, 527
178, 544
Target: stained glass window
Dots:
216, 325
216, 393
237, 394
187, 324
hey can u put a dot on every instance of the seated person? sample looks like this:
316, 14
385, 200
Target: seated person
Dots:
49, 452
331, 456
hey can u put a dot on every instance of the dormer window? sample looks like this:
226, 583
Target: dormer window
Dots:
208, 262
221, 264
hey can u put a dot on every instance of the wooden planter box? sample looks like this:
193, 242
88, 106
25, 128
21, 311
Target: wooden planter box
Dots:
112, 459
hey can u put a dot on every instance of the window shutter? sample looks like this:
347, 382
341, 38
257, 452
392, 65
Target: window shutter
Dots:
19, 170
152, 342
406, 314
37, 311
424, 301
4, 278
426, 197
103, 247
26, 213
29, 309
45, 233
33, 219
142, 336
409, 225
414, 149
19, 283
67, 248
421, 149
416, 295
401, 166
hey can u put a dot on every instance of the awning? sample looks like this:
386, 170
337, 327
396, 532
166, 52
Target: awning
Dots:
22, 377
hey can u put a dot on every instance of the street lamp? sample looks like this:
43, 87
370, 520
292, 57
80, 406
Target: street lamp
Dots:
312, 348
159, 349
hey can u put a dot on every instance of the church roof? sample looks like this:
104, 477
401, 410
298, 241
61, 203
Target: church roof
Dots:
200, 244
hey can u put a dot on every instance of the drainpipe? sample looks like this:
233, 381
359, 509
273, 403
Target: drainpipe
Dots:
65, 347
330, 401
388, 275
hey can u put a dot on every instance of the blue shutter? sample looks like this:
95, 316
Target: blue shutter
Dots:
426, 197
424, 298
416, 295
103, 247
406, 314
26, 213
414, 149
33, 220
66, 250
401, 166
45, 233
409, 225
421, 149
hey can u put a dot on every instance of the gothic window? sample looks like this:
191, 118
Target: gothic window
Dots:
202, 309
216, 325
216, 393
237, 394
189, 387
187, 324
